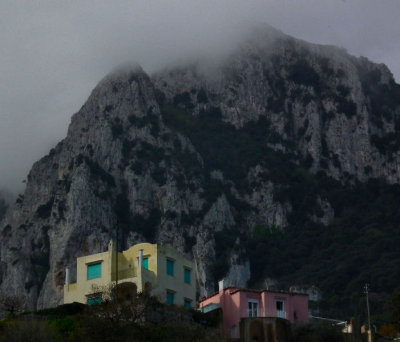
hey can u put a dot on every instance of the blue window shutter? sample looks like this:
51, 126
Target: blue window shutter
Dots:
170, 267
145, 263
94, 271
187, 276
170, 298
94, 300
187, 303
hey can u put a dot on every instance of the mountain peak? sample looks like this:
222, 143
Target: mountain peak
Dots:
215, 161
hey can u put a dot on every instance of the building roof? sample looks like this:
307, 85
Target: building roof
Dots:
239, 289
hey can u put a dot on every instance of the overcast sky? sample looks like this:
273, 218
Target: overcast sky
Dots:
52, 53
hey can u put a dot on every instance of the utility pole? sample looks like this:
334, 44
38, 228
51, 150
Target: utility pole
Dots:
366, 288
116, 258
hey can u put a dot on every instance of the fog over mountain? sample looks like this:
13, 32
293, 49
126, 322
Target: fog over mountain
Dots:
54, 53
278, 162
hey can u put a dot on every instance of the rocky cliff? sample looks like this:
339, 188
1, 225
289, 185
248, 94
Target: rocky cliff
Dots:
3, 206
204, 156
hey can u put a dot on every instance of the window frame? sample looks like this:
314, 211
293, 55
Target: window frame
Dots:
94, 299
145, 262
185, 270
252, 305
170, 270
280, 301
280, 313
168, 294
187, 301
91, 264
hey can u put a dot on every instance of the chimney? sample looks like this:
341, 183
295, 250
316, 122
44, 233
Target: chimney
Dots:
140, 258
221, 285
67, 276
111, 246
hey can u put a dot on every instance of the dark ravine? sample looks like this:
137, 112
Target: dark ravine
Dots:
3, 206
232, 164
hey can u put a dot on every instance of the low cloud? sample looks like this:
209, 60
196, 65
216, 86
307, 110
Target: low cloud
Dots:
55, 52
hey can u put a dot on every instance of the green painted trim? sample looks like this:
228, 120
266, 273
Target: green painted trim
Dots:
170, 267
94, 271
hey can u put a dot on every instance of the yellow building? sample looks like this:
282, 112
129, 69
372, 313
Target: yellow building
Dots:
163, 272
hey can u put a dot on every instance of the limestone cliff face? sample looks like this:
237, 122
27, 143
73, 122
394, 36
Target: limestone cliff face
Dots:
3, 206
195, 152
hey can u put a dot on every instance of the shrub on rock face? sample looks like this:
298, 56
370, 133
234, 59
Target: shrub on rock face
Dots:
202, 96
147, 226
396, 307
44, 210
302, 73
183, 100
347, 107
116, 129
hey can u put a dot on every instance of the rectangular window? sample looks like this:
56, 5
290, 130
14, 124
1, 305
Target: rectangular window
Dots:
186, 274
280, 309
94, 271
94, 300
279, 305
253, 308
170, 267
233, 331
170, 297
145, 263
187, 303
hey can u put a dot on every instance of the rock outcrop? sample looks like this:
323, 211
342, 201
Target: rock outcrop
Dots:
3, 207
196, 154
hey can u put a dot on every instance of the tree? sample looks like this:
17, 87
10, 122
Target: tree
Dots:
396, 307
122, 303
123, 315
12, 304
388, 331
115, 313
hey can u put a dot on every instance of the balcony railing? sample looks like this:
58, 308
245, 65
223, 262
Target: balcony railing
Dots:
124, 274
267, 313
252, 313
281, 314
276, 313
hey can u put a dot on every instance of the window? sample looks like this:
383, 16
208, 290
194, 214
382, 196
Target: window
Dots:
233, 331
170, 267
170, 297
279, 309
253, 308
94, 300
279, 305
145, 263
186, 275
94, 271
187, 303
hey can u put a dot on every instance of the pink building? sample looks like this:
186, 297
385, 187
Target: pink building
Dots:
237, 303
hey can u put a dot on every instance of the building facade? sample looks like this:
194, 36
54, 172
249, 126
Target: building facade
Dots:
237, 304
156, 269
